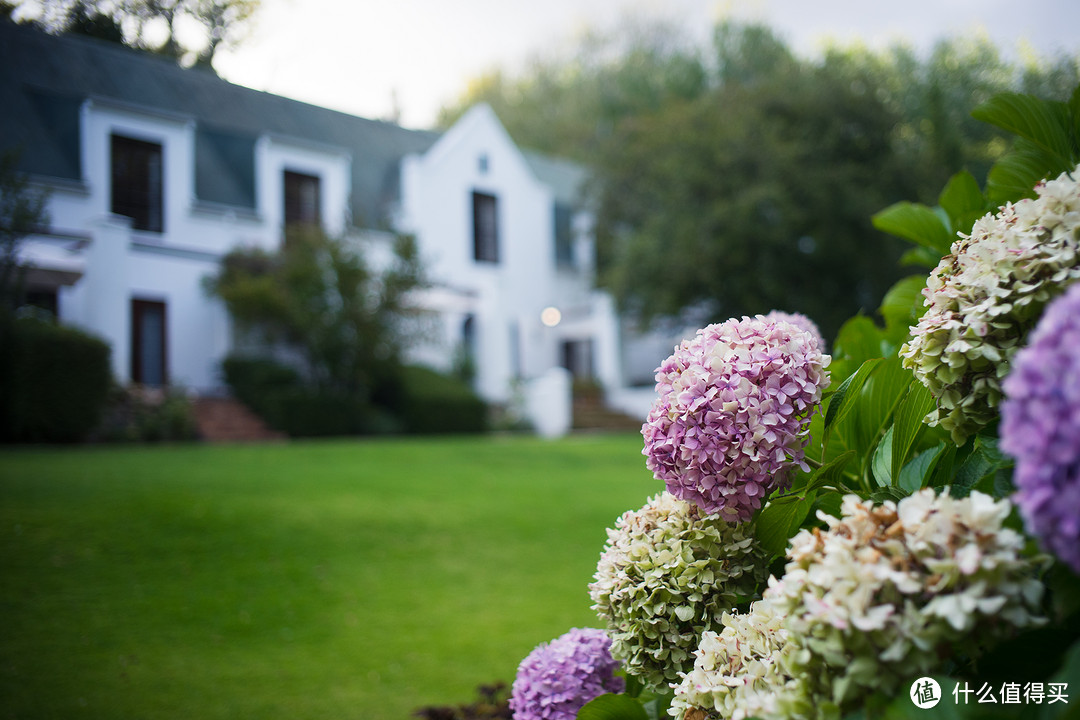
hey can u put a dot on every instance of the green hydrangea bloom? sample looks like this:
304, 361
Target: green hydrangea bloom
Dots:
667, 574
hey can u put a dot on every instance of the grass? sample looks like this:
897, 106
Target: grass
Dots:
345, 579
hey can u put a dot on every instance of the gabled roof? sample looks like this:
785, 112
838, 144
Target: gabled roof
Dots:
44, 79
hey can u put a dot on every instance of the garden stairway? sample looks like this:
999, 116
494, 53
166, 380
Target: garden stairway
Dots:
590, 413
225, 419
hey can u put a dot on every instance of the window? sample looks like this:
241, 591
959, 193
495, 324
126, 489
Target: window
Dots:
148, 366
577, 357
564, 236
301, 199
485, 228
137, 183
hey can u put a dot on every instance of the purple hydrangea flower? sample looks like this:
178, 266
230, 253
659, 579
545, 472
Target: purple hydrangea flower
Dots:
557, 679
800, 321
733, 413
1040, 427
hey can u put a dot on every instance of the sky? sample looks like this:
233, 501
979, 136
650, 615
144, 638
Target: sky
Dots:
405, 59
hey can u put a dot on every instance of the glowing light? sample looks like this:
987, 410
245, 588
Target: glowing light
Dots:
551, 316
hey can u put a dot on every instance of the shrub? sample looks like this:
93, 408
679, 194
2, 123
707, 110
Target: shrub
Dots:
436, 403
276, 393
146, 415
54, 381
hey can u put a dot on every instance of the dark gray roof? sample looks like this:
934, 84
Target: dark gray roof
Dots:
44, 79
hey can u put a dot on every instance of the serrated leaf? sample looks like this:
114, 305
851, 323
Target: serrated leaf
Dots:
908, 423
917, 223
984, 461
612, 707
1044, 122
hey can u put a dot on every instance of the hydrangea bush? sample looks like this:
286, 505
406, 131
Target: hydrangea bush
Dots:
668, 573
732, 413
895, 546
985, 296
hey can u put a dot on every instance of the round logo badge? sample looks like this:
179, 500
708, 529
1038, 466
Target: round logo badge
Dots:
925, 693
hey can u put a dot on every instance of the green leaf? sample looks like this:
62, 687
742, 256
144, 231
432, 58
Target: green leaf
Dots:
879, 398
656, 707
830, 474
916, 474
845, 397
612, 707
917, 223
1045, 123
902, 306
1015, 174
920, 256
984, 461
858, 341
780, 519
908, 423
963, 200
881, 466
941, 472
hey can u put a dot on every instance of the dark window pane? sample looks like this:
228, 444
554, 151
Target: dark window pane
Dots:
564, 237
301, 199
485, 228
137, 183
148, 334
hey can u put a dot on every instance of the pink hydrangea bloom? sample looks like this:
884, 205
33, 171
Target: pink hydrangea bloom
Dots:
558, 678
732, 413
800, 321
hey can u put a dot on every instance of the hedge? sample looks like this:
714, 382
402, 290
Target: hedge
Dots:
423, 401
54, 381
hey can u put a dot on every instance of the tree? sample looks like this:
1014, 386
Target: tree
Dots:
153, 25
22, 211
748, 177
565, 104
318, 297
751, 199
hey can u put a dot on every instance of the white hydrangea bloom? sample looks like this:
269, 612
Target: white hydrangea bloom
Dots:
984, 297
742, 671
891, 584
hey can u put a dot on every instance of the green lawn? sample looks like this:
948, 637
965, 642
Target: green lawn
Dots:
345, 579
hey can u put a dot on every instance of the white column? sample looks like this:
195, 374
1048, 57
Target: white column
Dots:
107, 293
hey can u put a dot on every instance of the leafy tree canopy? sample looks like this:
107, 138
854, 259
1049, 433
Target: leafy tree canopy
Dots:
191, 31
319, 299
738, 178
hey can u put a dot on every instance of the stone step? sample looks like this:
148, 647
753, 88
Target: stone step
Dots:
589, 416
224, 420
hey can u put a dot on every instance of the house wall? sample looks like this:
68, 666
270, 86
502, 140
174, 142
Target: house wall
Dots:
123, 264
506, 299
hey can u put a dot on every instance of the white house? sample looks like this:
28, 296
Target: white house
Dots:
156, 172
